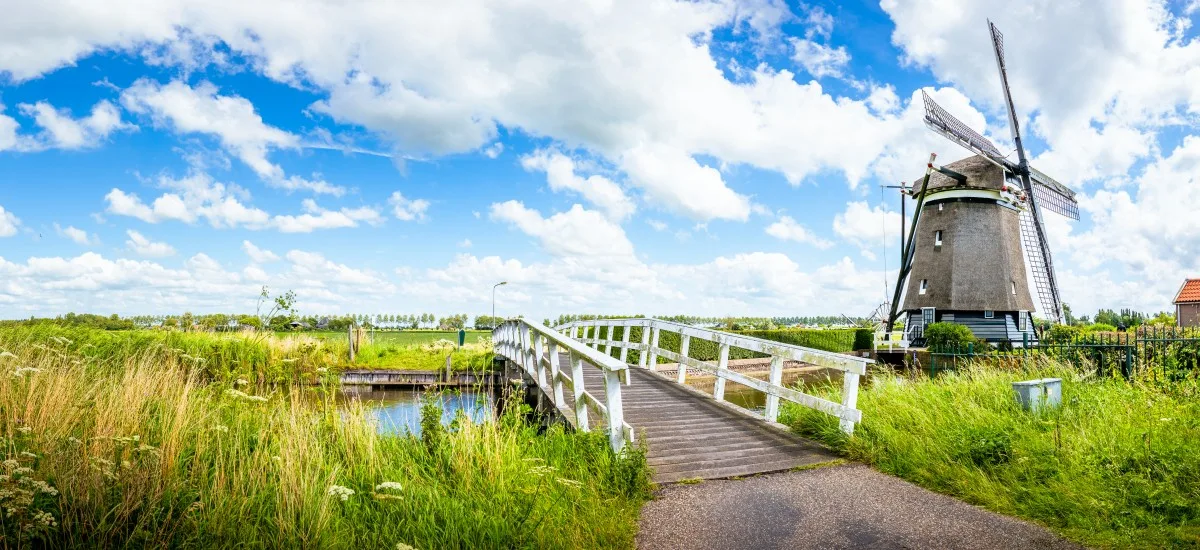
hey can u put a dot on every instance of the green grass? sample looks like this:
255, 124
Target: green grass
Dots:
124, 444
1117, 465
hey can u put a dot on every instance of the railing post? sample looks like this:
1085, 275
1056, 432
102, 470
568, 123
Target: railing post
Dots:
722, 365
537, 361
849, 399
581, 416
645, 342
555, 379
523, 349
685, 341
625, 344
616, 415
653, 344
772, 411
607, 338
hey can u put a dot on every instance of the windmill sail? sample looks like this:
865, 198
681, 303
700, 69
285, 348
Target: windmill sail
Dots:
942, 122
1053, 196
1037, 252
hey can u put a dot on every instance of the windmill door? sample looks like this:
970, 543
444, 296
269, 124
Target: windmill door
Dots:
927, 317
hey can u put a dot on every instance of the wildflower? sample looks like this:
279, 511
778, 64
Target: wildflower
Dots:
195, 506
241, 382
23, 470
75, 440
7, 355
402, 546
28, 454
322, 370
540, 471
220, 428
388, 485
277, 458
568, 482
24, 429
289, 360
340, 492
45, 518
10, 464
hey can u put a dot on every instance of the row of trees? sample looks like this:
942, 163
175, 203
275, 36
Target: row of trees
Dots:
1126, 318
733, 323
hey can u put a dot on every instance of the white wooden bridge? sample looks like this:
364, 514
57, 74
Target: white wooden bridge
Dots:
583, 370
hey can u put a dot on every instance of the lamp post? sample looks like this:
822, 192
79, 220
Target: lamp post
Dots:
494, 302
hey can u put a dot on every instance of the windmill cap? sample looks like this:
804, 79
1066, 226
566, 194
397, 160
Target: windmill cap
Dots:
980, 173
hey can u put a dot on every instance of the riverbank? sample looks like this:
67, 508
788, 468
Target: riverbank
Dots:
1117, 465
130, 439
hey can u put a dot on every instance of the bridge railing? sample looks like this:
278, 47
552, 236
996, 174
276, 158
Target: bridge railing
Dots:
600, 332
535, 348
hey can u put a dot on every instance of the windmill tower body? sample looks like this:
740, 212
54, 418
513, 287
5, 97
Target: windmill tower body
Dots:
967, 264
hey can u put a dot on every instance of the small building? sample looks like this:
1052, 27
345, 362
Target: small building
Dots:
299, 325
1187, 304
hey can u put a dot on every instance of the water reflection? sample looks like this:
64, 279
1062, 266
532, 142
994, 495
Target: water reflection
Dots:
399, 411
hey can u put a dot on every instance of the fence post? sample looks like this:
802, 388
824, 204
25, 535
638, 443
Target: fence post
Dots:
608, 338
616, 415
350, 340
685, 341
642, 355
537, 361
722, 365
523, 349
625, 344
555, 380
581, 417
653, 344
772, 412
849, 399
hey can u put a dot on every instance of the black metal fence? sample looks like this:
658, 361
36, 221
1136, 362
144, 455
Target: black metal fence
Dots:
1157, 351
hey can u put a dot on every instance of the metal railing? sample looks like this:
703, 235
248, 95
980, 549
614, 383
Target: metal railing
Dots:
536, 349
589, 332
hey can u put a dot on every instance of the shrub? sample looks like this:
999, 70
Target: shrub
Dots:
940, 336
1061, 333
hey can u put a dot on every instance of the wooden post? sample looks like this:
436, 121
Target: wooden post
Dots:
776, 379
653, 344
537, 361
523, 349
685, 342
642, 355
555, 381
625, 344
722, 366
616, 415
350, 341
608, 338
581, 417
849, 398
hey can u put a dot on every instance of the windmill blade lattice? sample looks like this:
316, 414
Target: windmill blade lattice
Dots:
1035, 254
1053, 196
944, 123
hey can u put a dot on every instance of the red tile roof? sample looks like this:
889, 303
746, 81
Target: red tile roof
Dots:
1189, 292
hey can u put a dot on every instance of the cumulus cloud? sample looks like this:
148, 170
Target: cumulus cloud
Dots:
561, 176
259, 255
788, 229
316, 218
75, 234
231, 119
867, 227
819, 60
577, 233
8, 223
406, 209
60, 130
143, 246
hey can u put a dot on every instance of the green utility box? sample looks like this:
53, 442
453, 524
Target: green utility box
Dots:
462, 337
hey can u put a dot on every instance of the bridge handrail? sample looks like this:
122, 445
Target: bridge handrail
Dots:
535, 348
852, 367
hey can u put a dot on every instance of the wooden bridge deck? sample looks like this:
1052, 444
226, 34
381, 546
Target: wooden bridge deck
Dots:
689, 435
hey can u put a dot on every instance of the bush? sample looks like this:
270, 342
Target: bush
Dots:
1061, 334
947, 336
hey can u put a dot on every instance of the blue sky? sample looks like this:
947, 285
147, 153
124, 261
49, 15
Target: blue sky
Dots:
655, 157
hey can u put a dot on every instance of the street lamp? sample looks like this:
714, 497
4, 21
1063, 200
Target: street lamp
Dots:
494, 302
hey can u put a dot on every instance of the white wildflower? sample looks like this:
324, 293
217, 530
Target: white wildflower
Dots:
24, 429
388, 485
568, 482
11, 463
402, 546
220, 428
7, 355
23, 470
343, 493
322, 370
241, 381
75, 440
28, 454
289, 360
45, 518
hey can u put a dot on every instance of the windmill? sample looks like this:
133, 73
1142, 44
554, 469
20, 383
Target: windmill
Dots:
988, 209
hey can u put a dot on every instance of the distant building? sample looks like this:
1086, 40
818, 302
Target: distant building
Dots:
1187, 304
298, 324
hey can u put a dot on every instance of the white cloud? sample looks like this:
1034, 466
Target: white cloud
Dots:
75, 234
788, 229
465, 243
315, 268
8, 223
259, 255
61, 131
316, 218
819, 60
675, 181
598, 190
494, 150
868, 228
255, 273
143, 246
577, 233
408, 209
231, 119
198, 197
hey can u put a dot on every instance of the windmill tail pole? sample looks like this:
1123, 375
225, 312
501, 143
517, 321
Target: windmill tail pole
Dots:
909, 246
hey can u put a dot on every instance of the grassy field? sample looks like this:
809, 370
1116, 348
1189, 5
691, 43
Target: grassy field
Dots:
1117, 465
168, 440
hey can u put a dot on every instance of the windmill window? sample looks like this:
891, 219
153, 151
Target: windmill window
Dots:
937, 238
1013, 284
940, 205
924, 285
1022, 321
989, 314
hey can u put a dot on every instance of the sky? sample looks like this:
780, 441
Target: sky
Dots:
708, 157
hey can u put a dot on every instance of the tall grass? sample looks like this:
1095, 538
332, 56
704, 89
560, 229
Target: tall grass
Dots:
1117, 465
135, 446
